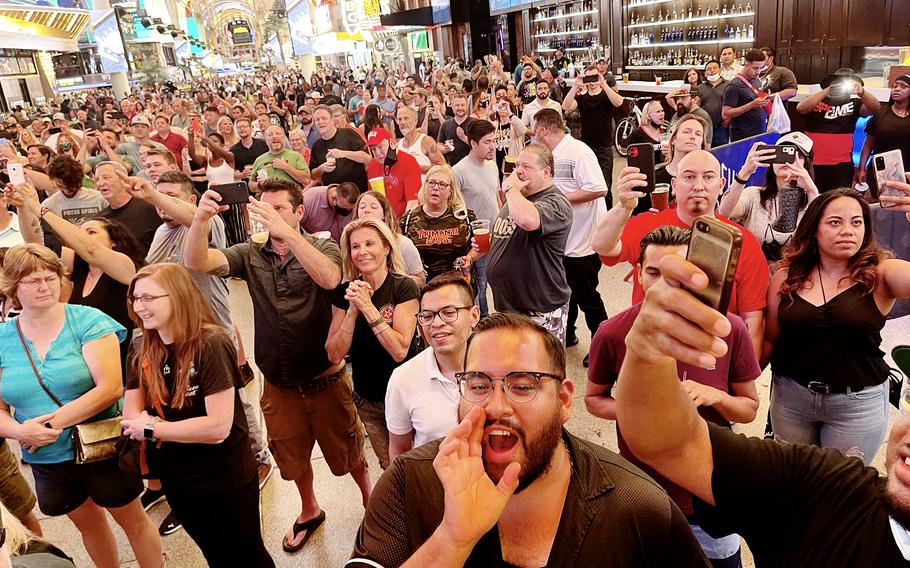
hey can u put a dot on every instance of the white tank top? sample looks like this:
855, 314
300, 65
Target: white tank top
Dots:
218, 175
416, 150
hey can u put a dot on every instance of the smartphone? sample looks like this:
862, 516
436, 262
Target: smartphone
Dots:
641, 156
195, 124
16, 174
590, 79
53, 130
783, 154
889, 166
503, 106
232, 193
714, 247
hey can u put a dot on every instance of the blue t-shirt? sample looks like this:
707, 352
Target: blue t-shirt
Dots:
750, 123
63, 370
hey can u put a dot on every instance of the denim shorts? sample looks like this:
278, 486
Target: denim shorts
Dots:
63, 487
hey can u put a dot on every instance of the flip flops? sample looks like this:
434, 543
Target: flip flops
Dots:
309, 527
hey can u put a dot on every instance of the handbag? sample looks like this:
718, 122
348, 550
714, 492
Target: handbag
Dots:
92, 441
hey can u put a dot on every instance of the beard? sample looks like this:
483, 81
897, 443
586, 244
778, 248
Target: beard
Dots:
538, 451
405, 130
898, 508
543, 98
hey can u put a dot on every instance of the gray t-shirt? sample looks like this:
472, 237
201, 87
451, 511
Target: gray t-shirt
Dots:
167, 246
78, 209
524, 268
479, 185
411, 256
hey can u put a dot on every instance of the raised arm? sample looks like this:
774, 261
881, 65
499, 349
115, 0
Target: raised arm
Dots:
196, 251
607, 239
658, 420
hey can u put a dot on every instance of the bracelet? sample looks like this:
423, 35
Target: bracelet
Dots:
377, 321
737, 179
379, 331
43, 212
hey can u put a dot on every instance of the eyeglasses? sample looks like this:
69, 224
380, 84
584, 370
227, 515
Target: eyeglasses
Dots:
447, 314
35, 282
519, 386
146, 299
439, 184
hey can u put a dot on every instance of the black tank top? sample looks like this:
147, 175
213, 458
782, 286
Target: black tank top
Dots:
837, 343
108, 295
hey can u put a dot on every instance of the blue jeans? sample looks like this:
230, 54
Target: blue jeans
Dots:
723, 552
853, 423
480, 269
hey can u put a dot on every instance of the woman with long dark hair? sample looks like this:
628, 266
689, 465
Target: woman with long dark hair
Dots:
181, 392
826, 307
371, 120
771, 212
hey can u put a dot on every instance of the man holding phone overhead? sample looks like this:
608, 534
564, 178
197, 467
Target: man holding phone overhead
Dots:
697, 188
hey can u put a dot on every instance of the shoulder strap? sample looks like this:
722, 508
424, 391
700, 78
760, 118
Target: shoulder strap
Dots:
747, 83
34, 368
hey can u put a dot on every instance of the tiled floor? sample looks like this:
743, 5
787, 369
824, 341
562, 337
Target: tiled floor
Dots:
339, 497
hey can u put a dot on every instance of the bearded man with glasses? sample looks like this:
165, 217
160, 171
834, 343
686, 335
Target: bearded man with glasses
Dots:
509, 485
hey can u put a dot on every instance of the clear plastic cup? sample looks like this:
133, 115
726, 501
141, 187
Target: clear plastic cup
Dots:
481, 230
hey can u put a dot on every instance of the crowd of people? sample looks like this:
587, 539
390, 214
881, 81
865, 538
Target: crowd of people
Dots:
381, 207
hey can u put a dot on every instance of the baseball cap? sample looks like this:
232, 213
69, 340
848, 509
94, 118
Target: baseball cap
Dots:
802, 142
903, 79
45, 119
59, 116
140, 119
681, 92
306, 108
377, 135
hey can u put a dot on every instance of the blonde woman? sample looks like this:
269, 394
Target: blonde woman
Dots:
440, 226
374, 205
373, 317
225, 127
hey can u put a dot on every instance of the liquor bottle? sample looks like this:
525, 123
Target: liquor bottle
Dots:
748, 6
739, 33
751, 31
724, 10
675, 17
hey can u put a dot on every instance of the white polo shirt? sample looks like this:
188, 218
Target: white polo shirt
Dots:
575, 168
421, 399
10, 235
534, 106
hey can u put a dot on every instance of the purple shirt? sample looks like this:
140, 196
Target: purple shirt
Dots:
739, 365
318, 215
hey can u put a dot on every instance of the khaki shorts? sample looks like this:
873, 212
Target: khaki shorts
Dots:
295, 422
15, 493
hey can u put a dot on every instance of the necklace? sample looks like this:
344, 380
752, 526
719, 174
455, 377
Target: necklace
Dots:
902, 113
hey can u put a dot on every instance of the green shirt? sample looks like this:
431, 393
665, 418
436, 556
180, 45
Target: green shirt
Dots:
264, 162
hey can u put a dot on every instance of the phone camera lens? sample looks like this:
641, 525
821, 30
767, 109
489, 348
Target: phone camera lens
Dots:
880, 163
703, 227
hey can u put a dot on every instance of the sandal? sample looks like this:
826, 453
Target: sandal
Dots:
309, 527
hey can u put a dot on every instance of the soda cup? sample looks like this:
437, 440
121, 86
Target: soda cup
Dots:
481, 230
378, 184
660, 197
657, 79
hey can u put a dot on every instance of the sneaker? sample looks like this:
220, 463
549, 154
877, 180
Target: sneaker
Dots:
169, 525
265, 472
151, 497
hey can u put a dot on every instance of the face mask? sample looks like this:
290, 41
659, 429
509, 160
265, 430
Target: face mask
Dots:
713, 78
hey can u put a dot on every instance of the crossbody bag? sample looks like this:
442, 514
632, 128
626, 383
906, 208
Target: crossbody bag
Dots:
92, 441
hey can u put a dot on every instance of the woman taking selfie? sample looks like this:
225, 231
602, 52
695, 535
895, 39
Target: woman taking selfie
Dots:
374, 317
181, 392
826, 308
772, 212
70, 352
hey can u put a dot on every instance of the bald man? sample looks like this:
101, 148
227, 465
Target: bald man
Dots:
697, 188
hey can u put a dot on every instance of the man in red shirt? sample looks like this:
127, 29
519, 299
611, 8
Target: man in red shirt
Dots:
399, 170
170, 140
697, 187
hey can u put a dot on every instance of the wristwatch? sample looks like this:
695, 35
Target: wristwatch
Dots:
150, 428
506, 187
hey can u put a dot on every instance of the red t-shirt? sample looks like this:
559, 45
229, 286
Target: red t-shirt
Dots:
402, 179
739, 365
750, 284
175, 143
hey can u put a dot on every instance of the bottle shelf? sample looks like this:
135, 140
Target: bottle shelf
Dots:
563, 16
682, 43
687, 20
553, 50
557, 34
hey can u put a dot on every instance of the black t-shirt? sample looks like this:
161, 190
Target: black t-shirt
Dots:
596, 119
345, 169
448, 131
439, 240
205, 468
527, 91
503, 138
798, 505
750, 123
639, 136
891, 133
371, 364
139, 218
244, 156
108, 295
661, 175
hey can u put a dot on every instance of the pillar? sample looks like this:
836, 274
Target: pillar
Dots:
121, 85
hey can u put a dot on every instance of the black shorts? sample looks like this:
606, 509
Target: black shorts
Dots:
63, 487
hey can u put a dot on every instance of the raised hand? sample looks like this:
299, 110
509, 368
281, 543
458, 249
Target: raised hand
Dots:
210, 205
629, 179
473, 504
266, 214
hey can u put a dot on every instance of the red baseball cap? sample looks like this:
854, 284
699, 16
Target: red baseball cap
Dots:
377, 135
